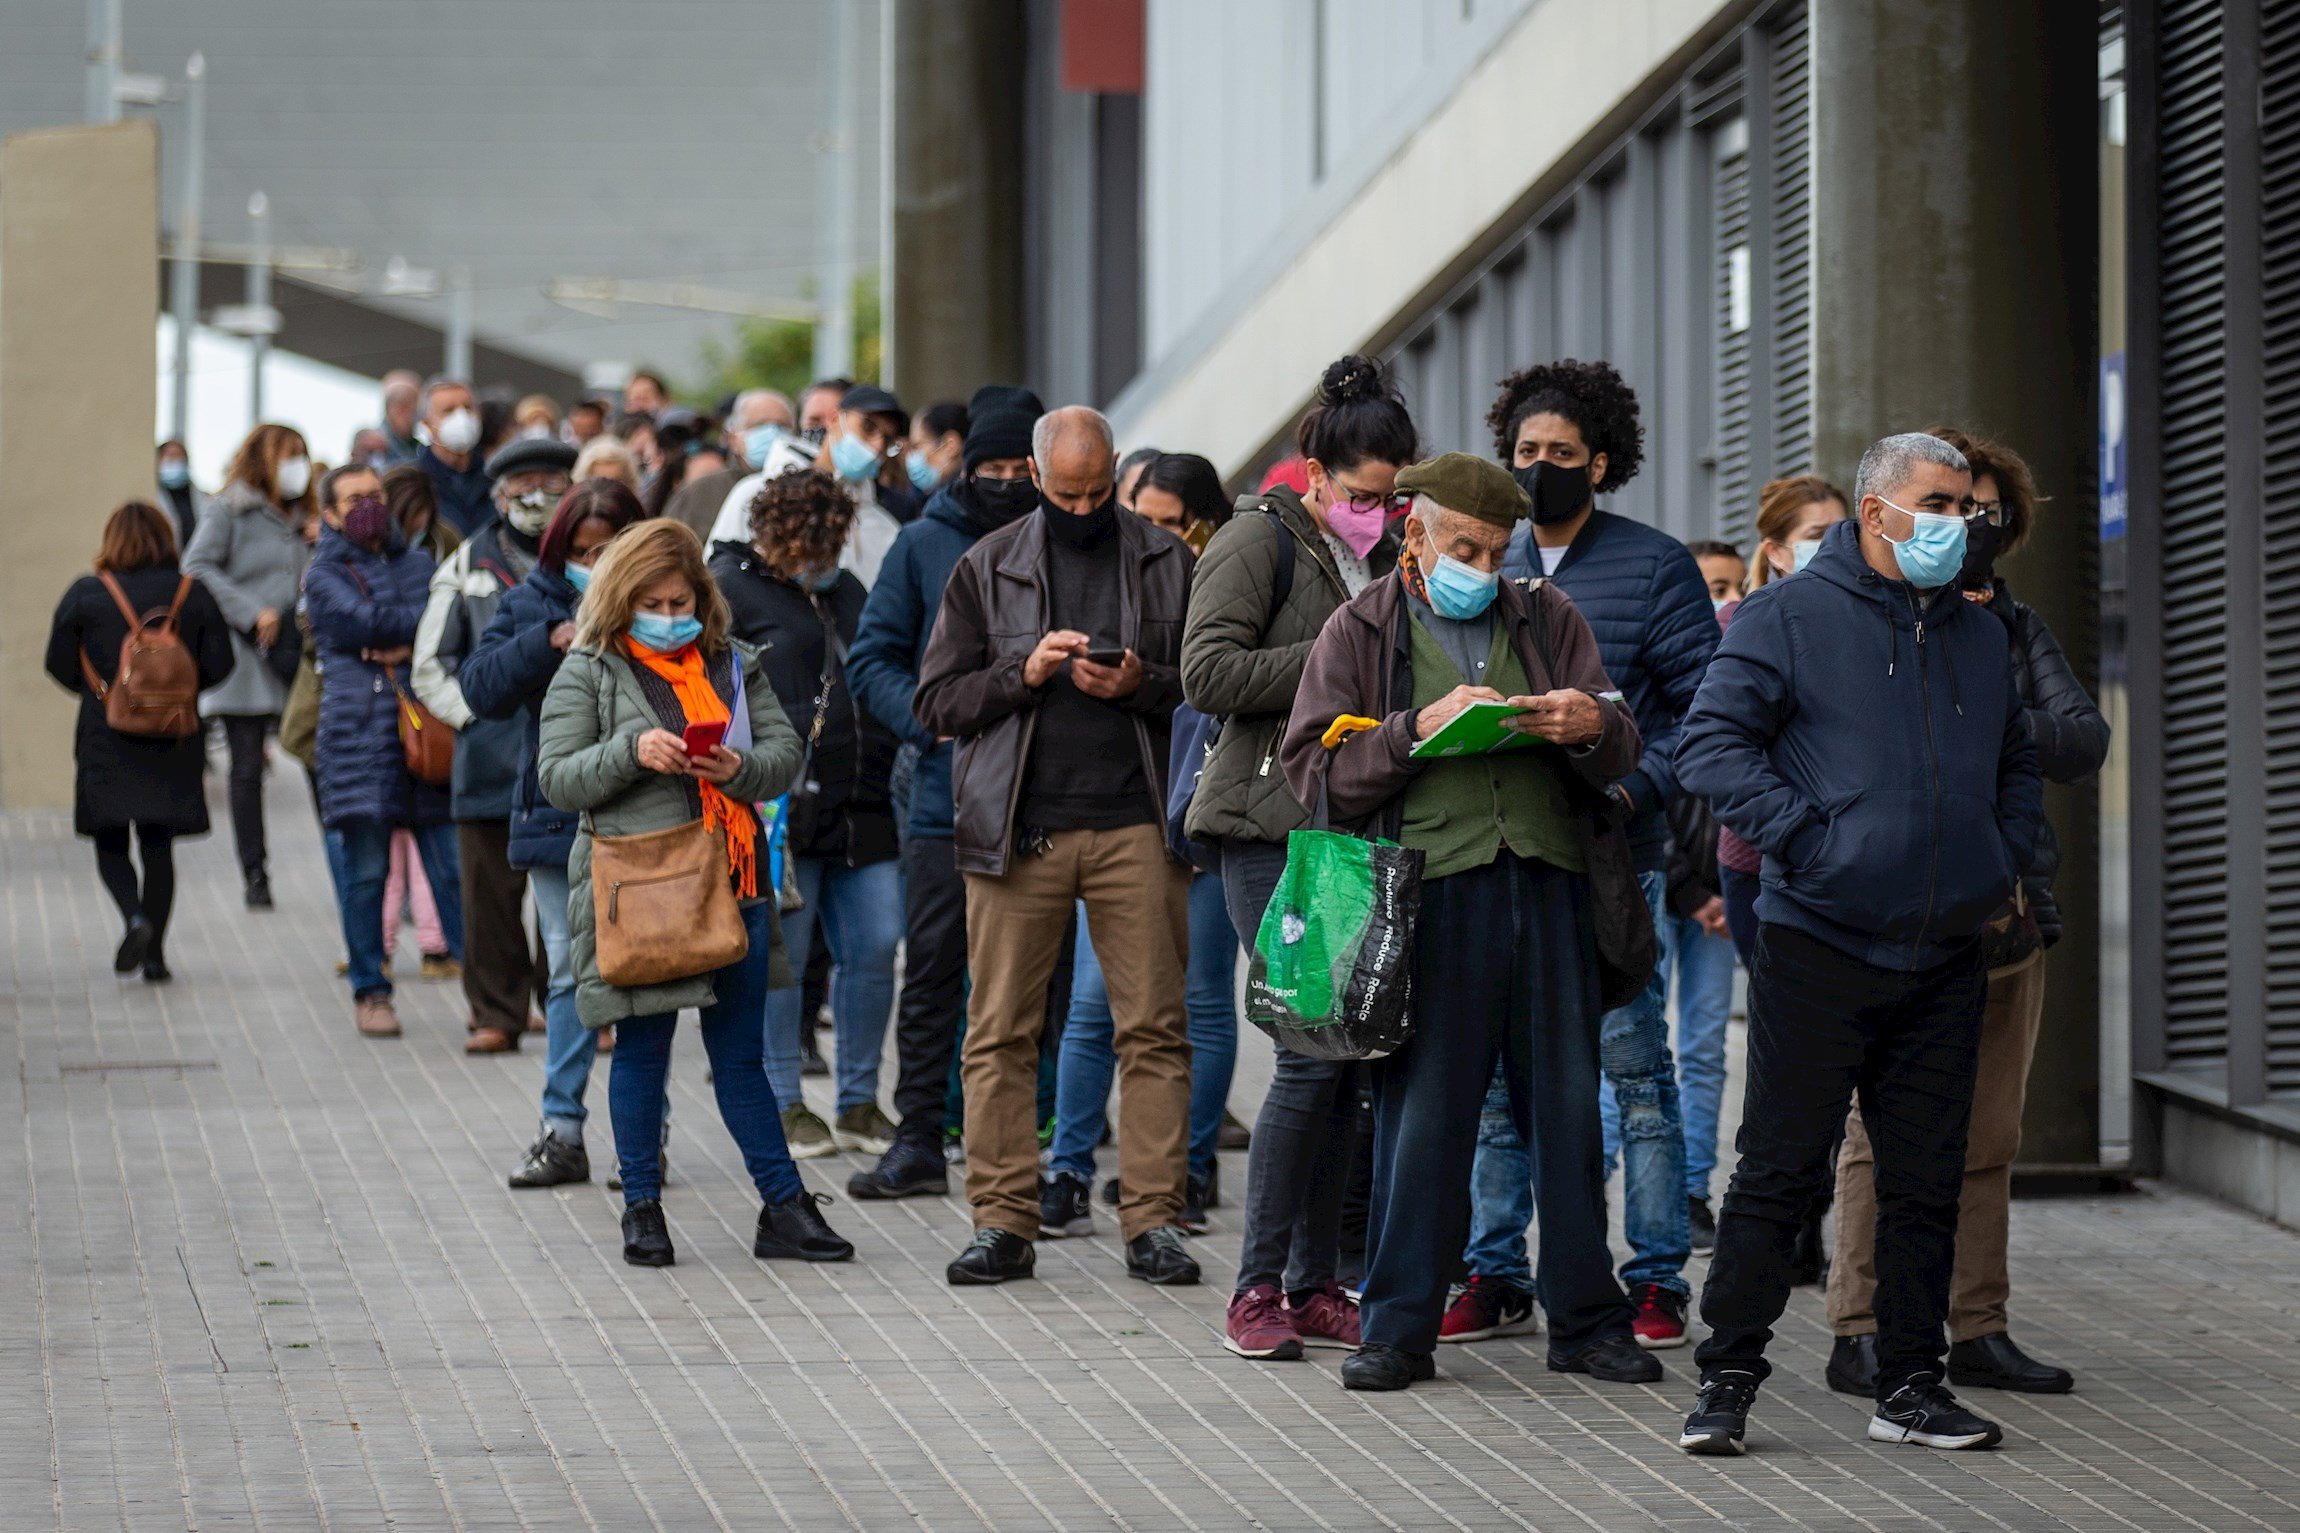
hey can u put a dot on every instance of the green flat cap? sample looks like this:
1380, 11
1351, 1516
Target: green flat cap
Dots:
1474, 486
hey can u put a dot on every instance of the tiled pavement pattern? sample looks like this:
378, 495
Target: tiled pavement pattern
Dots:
257, 1272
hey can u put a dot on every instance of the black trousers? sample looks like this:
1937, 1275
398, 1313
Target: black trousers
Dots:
933, 983
1822, 1026
1305, 1136
152, 896
244, 739
505, 974
1505, 966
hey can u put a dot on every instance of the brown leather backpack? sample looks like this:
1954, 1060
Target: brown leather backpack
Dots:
155, 689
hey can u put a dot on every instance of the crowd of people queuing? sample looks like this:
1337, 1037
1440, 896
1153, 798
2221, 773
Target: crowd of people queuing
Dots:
965, 722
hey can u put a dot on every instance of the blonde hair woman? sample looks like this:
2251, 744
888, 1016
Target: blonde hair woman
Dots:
1792, 514
651, 655
608, 457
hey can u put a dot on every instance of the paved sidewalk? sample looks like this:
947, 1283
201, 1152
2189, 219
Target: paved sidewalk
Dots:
259, 1272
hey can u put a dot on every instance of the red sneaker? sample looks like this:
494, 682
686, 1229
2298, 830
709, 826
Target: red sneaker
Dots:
1326, 1318
1660, 1322
1488, 1307
1258, 1326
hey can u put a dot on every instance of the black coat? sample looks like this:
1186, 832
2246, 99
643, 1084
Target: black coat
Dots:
129, 779
2071, 736
850, 818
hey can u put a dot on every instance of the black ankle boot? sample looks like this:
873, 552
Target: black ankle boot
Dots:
798, 1229
135, 945
646, 1237
1993, 1362
1853, 1366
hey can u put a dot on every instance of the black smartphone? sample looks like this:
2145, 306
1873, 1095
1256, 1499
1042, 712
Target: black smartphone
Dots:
1110, 657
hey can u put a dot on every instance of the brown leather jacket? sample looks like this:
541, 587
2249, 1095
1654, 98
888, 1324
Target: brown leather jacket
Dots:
970, 687
1362, 664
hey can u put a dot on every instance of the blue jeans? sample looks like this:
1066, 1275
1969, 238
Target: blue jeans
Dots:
1703, 966
568, 1046
733, 1038
860, 912
1089, 1061
359, 855
1633, 1048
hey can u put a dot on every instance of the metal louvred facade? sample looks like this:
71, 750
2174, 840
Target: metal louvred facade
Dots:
2279, 138
1681, 254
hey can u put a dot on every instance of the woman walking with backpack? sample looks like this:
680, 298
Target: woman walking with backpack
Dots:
138, 607
661, 733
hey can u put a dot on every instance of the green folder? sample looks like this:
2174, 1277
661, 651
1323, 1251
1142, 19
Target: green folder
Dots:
1477, 730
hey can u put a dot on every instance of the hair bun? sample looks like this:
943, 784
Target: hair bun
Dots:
1351, 378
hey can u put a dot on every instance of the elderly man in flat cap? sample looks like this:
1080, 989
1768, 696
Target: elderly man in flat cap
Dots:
1531, 920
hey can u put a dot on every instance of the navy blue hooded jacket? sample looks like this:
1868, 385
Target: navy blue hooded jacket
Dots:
1643, 597
504, 677
1869, 739
359, 599
882, 665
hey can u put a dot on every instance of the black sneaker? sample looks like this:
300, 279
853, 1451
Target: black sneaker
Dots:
552, 1161
1720, 1420
1615, 1358
156, 968
135, 942
798, 1229
992, 1256
1702, 1223
1110, 1192
811, 1061
646, 1238
910, 1165
1923, 1412
258, 890
1378, 1367
1853, 1366
1157, 1256
1993, 1362
1065, 1207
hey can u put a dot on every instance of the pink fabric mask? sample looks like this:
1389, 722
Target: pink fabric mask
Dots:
1359, 524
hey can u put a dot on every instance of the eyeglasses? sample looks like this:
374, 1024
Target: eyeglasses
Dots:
1389, 505
1989, 511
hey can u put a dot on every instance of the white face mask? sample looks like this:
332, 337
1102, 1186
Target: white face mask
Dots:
529, 513
459, 432
293, 477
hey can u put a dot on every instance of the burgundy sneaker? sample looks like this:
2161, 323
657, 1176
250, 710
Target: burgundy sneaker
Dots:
1326, 1318
1488, 1307
1258, 1326
1660, 1321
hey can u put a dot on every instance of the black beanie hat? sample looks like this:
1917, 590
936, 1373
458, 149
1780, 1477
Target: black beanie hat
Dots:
998, 422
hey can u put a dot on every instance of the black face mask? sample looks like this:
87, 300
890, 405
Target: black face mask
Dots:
1982, 545
1559, 493
996, 502
1074, 531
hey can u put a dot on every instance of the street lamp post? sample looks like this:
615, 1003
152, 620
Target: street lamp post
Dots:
259, 299
184, 278
103, 58
835, 329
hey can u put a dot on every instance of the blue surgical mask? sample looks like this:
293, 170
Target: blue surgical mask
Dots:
1460, 591
663, 635
820, 581
853, 459
175, 473
924, 476
761, 440
1801, 554
1934, 551
578, 576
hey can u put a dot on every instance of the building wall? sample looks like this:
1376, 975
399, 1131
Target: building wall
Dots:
1259, 273
78, 236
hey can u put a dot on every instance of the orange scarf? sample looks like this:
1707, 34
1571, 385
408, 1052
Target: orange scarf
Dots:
700, 702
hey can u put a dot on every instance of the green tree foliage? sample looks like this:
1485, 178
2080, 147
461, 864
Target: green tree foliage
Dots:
779, 353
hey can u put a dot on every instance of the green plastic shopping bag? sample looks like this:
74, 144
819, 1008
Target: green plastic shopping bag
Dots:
1331, 974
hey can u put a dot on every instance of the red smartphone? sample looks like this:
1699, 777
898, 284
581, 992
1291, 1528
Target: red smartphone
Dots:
702, 739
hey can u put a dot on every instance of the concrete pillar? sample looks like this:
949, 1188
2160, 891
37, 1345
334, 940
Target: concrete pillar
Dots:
954, 270
79, 244
1955, 242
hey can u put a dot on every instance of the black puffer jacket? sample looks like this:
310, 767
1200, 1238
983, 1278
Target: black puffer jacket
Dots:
2071, 736
850, 817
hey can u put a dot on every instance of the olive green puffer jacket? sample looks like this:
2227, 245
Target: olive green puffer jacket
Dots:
587, 762
1241, 660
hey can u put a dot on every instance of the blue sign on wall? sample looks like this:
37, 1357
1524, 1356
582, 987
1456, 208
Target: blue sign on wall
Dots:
2112, 481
